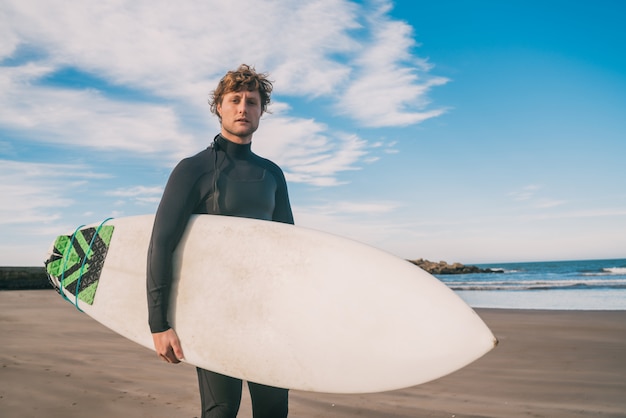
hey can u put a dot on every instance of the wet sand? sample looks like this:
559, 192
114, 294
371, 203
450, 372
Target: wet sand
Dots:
58, 362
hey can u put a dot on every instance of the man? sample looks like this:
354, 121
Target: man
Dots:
227, 178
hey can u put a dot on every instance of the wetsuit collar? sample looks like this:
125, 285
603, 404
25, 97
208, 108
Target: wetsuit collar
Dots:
231, 148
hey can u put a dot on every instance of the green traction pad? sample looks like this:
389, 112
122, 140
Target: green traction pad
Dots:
69, 256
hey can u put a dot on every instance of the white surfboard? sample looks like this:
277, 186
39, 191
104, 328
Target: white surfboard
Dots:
277, 304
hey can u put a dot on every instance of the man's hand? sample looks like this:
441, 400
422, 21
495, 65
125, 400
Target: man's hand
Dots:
167, 346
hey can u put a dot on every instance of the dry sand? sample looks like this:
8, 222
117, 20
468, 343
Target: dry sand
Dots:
57, 362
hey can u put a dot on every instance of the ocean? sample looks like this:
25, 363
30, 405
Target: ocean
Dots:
570, 285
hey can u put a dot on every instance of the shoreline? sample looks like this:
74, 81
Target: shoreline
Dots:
59, 362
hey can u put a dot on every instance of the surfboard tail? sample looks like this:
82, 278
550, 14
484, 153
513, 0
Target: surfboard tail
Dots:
75, 261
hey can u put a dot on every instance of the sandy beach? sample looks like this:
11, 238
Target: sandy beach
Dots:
58, 362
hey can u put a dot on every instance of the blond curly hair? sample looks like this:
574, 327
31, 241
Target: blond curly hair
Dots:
244, 77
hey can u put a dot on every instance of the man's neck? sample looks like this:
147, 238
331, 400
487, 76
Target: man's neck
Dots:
242, 140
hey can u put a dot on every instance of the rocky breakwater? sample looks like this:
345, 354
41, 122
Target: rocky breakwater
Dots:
23, 278
443, 267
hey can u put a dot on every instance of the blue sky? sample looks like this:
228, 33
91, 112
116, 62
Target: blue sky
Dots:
483, 131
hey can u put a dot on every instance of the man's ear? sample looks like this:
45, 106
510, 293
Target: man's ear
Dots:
218, 110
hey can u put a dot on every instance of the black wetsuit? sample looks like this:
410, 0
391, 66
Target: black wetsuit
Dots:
247, 186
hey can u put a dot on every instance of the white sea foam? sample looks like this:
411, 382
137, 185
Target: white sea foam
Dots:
519, 285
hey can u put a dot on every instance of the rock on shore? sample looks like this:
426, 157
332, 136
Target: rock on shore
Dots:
443, 267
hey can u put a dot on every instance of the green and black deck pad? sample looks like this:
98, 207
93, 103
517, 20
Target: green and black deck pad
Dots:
71, 257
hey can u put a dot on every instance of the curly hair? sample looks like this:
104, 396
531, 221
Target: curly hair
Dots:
245, 77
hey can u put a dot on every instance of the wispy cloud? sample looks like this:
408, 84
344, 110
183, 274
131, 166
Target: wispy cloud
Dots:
525, 193
306, 150
140, 194
172, 48
367, 221
599, 213
349, 53
390, 85
549, 203
530, 195
362, 207
35, 192
84, 118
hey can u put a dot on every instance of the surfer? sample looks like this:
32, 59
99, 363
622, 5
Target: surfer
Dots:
227, 178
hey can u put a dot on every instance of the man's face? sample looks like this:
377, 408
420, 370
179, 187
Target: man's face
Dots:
240, 112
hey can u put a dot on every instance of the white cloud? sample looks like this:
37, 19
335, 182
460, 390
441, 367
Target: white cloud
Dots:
34, 192
140, 194
364, 221
84, 118
349, 207
594, 213
390, 85
525, 193
172, 48
305, 149
136, 191
549, 203
530, 195
177, 51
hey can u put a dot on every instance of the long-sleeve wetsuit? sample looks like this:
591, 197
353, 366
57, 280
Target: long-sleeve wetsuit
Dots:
247, 186
225, 179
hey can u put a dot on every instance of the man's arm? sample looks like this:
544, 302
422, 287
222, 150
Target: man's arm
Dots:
170, 222
282, 207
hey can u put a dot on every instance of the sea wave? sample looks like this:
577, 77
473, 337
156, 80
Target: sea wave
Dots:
615, 270
503, 270
538, 285
608, 271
